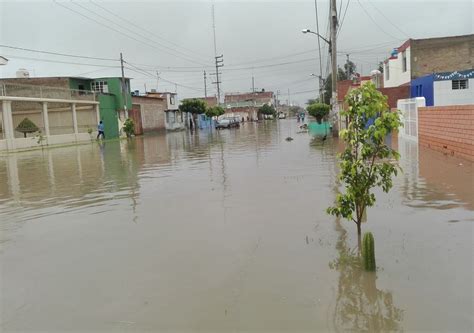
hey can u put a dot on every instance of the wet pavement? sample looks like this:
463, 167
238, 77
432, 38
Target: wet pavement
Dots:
228, 232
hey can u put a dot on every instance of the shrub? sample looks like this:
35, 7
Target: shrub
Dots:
129, 127
318, 111
26, 126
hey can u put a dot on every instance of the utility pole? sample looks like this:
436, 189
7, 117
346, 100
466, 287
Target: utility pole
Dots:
157, 79
253, 84
319, 51
289, 100
333, 25
348, 74
205, 84
219, 64
124, 90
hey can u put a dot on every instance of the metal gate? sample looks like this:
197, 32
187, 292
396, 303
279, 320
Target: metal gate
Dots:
409, 116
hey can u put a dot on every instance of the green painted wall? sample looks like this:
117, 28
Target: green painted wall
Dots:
115, 88
108, 115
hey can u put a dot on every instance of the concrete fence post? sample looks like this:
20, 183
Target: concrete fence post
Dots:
74, 118
8, 124
45, 118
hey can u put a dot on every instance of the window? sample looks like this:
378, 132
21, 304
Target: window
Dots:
419, 91
171, 99
387, 72
404, 61
459, 84
100, 86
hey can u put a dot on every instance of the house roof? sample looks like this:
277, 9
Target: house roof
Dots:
240, 97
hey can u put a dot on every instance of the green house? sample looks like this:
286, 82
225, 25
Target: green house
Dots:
110, 97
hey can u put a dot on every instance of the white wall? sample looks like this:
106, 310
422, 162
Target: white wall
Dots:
444, 94
397, 76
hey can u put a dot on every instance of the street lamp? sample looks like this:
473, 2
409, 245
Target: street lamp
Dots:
307, 31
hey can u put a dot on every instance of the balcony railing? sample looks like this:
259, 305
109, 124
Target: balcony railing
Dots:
33, 91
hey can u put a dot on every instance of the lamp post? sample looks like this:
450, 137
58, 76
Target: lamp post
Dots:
308, 31
320, 86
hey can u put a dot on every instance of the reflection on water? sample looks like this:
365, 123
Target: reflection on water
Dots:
227, 231
360, 305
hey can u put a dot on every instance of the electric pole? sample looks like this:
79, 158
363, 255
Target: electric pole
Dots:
124, 90
348, 74
289, 100
205, 84
219, 64
253, 84
157, 79
333, 26
319, 51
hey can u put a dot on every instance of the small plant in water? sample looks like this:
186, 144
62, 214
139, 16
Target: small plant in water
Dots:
368, 252
40, 138
129, 127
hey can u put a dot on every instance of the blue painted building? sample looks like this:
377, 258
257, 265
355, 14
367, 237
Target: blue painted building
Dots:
423, 87
447, 88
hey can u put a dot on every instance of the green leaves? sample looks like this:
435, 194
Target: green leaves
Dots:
318, 110
267, 109
194, 106
214, 111
366, 161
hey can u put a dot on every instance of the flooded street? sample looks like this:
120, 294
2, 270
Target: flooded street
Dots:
228, 232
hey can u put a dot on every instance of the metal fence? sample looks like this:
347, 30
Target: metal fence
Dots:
33, 91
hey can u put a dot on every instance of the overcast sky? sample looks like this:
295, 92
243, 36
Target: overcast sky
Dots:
175, 38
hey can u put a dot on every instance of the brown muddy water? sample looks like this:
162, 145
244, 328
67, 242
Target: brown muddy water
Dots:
228, 233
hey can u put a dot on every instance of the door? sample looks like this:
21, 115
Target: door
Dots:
136, 116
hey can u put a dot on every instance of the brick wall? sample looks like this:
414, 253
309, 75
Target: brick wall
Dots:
152, 112
448, 129
444, 54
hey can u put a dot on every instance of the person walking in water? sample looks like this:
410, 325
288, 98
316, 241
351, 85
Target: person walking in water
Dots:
100, 129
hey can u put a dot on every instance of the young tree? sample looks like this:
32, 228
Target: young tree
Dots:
366, 161
26, 126
318, 111
214, 111
267, 109
194, 106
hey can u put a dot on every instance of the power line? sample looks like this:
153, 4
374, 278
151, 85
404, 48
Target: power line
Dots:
185, 57
343, 16
142, 71
388, 20
61, 62
115, 30
56, 53
372, 19
121, 18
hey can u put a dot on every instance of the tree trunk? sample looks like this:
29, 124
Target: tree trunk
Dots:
359, 239
24, 134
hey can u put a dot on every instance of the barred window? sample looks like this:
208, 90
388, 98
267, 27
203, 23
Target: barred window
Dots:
100, 86
460, 84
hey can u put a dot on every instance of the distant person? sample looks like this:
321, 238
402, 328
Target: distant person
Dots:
100, 129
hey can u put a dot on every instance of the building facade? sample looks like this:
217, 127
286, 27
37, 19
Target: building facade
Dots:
246, 105
420, 57
447, 88
113, 102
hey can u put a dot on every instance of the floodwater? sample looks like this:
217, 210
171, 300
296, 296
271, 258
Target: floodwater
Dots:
228, 232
